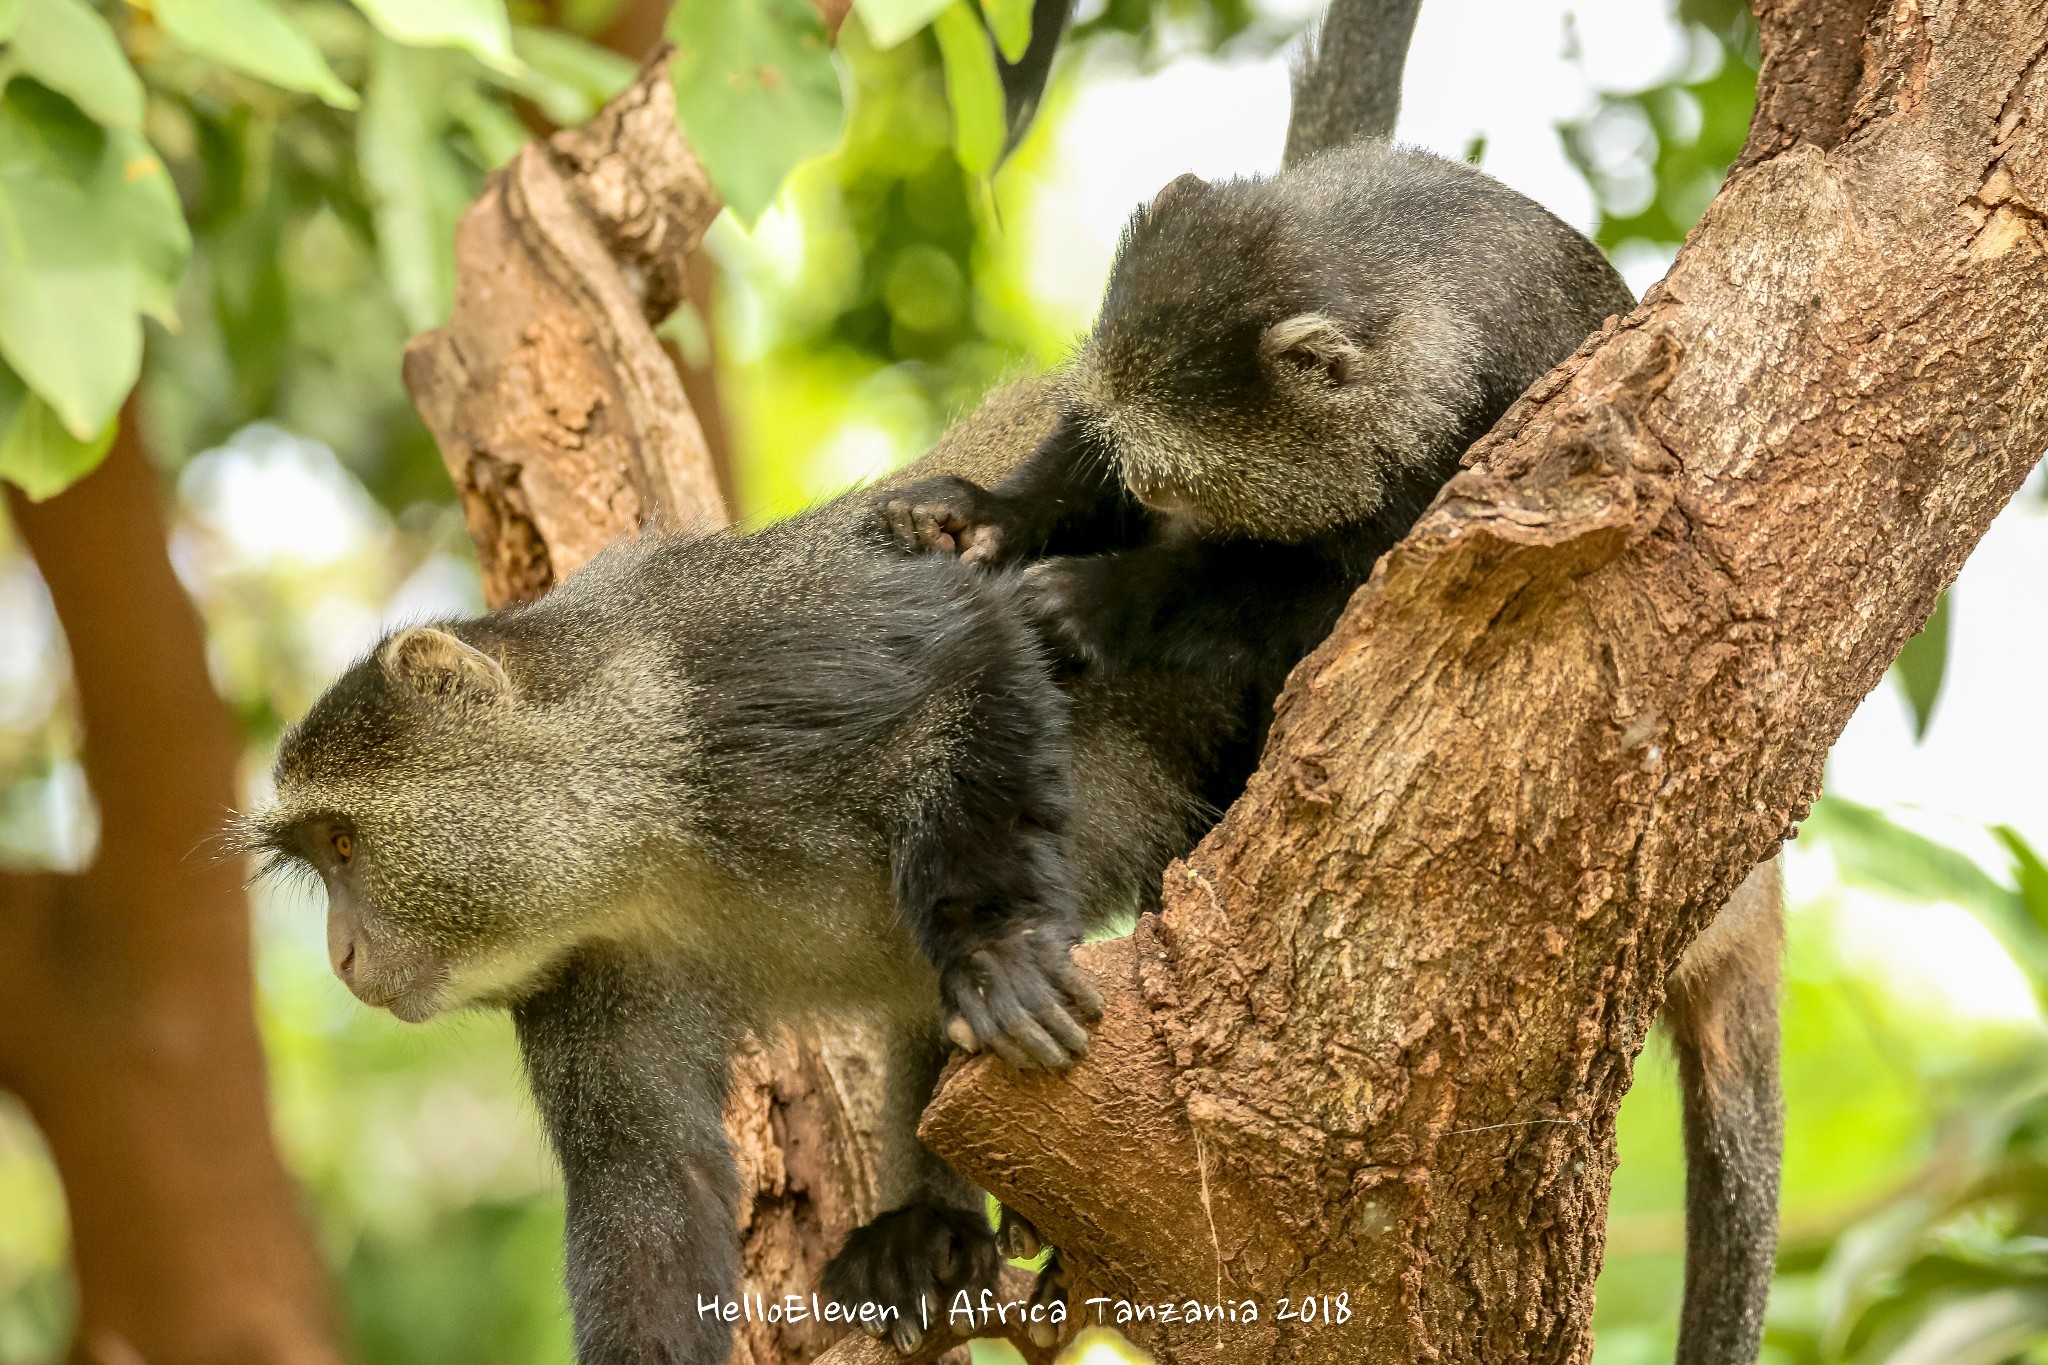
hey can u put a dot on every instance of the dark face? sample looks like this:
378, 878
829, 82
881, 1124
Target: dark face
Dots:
379, 968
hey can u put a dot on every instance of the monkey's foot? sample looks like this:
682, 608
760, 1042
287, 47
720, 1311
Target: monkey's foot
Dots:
1021, 997
898, 1273
944, 514
1016, 1238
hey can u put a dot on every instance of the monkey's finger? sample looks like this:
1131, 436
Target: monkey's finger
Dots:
981, 544
1051, 1289
1036, 994
938, 524
1016, 1237
1015, 1021
901, 528
1059, 964
905, 1336
965, 997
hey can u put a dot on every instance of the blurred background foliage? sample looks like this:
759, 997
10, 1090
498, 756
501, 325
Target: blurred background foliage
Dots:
876, 295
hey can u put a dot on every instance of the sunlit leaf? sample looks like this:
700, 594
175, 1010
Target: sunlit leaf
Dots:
1010, 21
252, 37
974, 87
756, 92
478, 27
1921, 666
68, 47
418, 187
1877, 852
10, 15
37, 455
94, 236
2031, 872
566, 77
889, 22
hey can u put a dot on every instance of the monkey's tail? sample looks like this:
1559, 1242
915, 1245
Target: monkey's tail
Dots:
1347, 79
1723, 1014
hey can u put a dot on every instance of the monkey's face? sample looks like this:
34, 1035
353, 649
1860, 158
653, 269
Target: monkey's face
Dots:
461, 852
1251, 377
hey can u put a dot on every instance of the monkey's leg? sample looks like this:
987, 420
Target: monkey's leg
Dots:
980, 870
1722, 1010
630, 1076
1065, 498
934, 1241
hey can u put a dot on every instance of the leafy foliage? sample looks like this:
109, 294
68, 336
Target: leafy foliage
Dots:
756, 91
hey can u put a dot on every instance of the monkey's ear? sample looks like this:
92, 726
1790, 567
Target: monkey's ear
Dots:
1182, 187
434, 663
1313, 343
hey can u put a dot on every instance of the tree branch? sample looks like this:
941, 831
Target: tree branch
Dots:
1376, 1041
558, 414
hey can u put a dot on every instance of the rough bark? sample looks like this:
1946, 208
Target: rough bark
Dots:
1376, 1041
564, 426
127, 1017
556, 409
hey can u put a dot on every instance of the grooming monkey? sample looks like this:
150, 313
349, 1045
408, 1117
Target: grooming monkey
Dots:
1285, 373
531, 856
707, 784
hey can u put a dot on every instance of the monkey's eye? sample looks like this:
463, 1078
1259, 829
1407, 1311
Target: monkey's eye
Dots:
344, 846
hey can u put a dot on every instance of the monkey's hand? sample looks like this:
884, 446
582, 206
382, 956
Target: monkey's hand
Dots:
948, 515
909, 1264
1021, 997
1076, 608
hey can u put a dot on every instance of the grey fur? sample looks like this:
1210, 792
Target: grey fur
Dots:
1281, 355
707, 785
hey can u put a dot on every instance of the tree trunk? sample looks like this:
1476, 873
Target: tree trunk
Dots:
1374, 1046
1369, 1057
127, 1021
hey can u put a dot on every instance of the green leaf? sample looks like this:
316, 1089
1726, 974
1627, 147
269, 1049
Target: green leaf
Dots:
568, 78
1010, 21
90, 235
498, 135
10, 15
37, 455
252, 37
756, 92
1921, 665
417, 186
2028, 870
973, 87
889, 22
68, 47
478, 27
1875, 851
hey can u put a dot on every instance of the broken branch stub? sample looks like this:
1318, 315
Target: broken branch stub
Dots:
561, 420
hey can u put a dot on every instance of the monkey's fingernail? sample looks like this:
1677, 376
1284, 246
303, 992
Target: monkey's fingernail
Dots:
962, 1036
906, 1336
